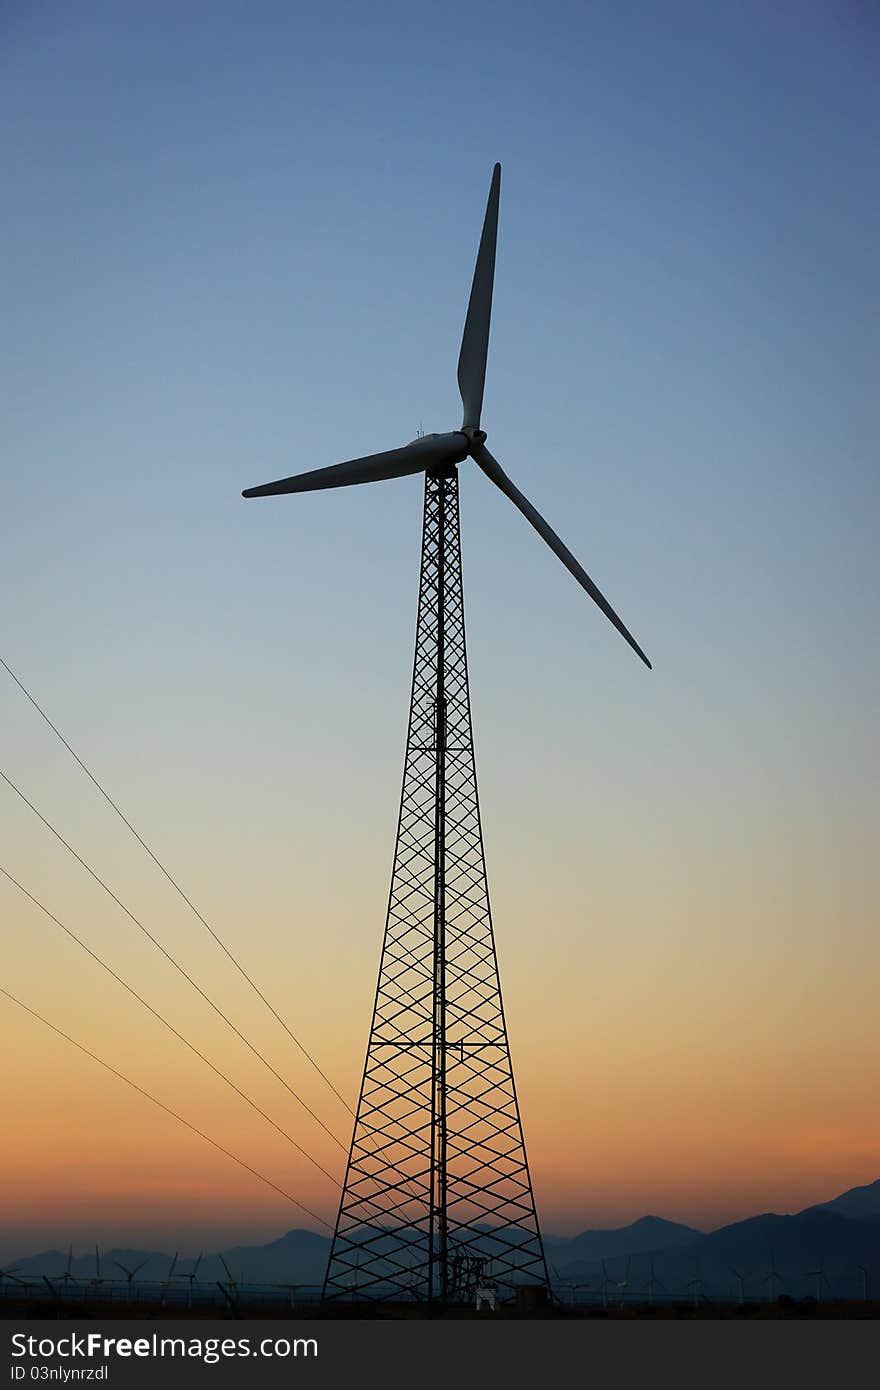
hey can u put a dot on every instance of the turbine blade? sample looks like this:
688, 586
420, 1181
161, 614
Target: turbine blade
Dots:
430, 452
475, 339
493, 470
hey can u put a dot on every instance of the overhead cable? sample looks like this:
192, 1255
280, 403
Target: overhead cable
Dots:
173, 881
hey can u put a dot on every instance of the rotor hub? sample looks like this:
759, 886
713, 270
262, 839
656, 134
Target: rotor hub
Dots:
473, 436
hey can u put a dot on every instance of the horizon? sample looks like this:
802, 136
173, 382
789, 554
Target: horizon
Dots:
232, 254
230, 1244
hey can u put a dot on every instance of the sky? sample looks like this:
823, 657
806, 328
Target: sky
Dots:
237, 244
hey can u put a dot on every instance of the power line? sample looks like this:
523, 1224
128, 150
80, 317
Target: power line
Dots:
175, 885
162, 1106
160, 947
170, 959
170, 1026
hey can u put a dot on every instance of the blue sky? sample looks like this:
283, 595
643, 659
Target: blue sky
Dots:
237, 244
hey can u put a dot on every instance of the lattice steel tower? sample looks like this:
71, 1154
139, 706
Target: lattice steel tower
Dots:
437, 1193
437, 1189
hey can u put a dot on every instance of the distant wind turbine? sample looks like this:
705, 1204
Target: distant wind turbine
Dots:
820, 1277
52, 1289
165, 1285
653, 1282
129, 1273
773, 1278
227, 1287
191, 1276
623, 1284
696, 1284
606, 1284
742, 1282
291, 1290
66, 1278
97, 1278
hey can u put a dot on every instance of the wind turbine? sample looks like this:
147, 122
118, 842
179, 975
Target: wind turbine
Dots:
820, 1277
623, 1284
191, 1275
696, 1284
653, 1282
742, 1282
864, 1282
433, 453
54, 1292
430, 911
97, 1278
606, 1284
165, 1284
773, 1278
229, 1285
66, 1277
291, 1291
129, 1273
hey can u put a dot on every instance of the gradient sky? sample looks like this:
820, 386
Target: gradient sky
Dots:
237, 242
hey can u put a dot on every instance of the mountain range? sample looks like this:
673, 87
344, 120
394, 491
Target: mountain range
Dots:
832, 1248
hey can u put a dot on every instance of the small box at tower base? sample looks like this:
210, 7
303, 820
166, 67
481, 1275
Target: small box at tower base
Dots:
531, 1299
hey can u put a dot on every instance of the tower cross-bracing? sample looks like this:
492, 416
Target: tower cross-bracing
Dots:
437, 1186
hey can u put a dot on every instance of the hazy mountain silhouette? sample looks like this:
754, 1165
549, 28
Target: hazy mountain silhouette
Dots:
296, 1256
859, 1203
795, 1246
645, 1236
836, 1236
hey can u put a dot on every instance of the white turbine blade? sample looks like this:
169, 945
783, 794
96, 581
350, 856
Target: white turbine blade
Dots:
432, 451
492, 468
475, 339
